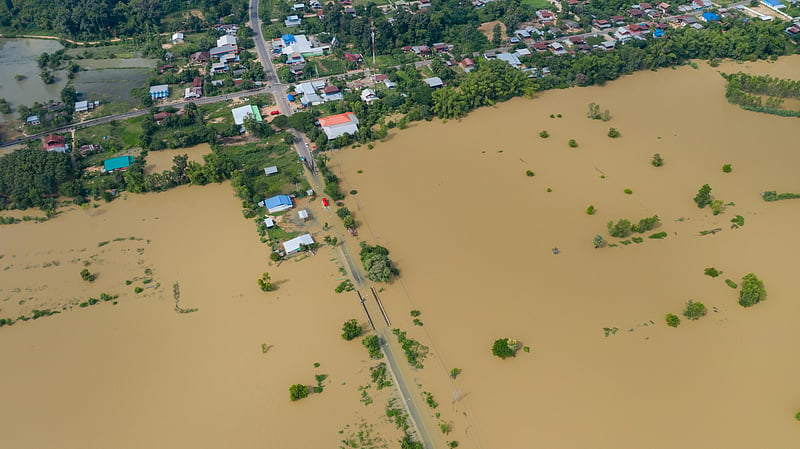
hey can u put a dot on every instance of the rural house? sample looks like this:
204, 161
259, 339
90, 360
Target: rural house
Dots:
339, 124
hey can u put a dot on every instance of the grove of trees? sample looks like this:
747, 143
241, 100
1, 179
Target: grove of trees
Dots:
752, 291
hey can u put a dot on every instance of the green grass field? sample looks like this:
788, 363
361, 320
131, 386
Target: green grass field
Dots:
538, 4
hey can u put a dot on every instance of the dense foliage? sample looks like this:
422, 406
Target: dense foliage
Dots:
298, 391
752, 291
703, 197
95, 19
373, 345
748, 91
672, 320
695, 310
505, 348
351, 329
376, 262
31, 178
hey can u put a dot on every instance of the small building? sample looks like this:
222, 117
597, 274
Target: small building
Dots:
56, 143
160, 91
468, 65
368, 96
709, 17
353, 57
120, 163
269, 223
331, 93
510, 58
240, 113
83, 106
302, 214
226, 40
434, 82
177, 38
217, 52
293, 246
219, 67
390, 84
339, 124
192, 92
270, 170
200, 57
292, 21
88, 149
298, 7
278, 203
32, 120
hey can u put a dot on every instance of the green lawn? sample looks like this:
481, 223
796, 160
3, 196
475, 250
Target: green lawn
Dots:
122, 134
538, 4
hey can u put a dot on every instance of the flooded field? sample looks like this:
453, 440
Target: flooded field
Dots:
474, 236
18, 57
144, 375
158, 161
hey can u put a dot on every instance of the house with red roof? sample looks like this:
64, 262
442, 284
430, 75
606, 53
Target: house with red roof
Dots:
339, 124
56, 143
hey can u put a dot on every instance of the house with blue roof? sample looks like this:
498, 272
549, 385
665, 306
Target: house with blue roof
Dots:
120, 163
710, 17
278, 203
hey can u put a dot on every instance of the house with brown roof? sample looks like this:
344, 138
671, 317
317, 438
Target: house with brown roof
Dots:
468, 65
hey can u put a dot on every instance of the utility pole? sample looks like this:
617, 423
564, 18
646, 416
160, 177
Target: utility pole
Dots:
372, 25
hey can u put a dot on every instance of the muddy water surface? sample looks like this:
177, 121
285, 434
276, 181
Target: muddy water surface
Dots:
473, 238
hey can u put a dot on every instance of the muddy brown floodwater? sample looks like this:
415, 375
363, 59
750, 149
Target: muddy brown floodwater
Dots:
472, 236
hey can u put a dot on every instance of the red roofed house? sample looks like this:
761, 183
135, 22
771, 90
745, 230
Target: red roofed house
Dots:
54, 142
379, 78
339, 124
468, 65
353, 57
546, 16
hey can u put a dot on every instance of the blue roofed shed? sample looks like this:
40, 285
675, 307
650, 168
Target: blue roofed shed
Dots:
117, 163
278, 203
288, 39
710, 17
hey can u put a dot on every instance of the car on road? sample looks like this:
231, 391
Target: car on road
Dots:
275, 112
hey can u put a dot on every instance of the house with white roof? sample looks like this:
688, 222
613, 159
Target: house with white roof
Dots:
368, 96
292, 21
226, 40
177, 38
434, 82
240, 113
293, 246
303, 46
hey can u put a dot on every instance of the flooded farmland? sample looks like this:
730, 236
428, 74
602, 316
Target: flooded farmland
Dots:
18, 57
473, 237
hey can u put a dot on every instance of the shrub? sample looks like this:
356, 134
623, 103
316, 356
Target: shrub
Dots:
727, 168
647, 224
599, 241
265, 283
590, 210
353, 192
530, 173
752, 291
637, 239
730, 283
455, 372
695, 310
415, 313
572, 143
797, 416
430, 400
621, 229
711, 271
298, 391
351, 329
87, 276
657, 160
544, 134
349, 222
703, 197
628, 191
717, 206
549, 190
672, 320
138, 290
505, 348
344, 286
373, 346
737, 221
613, 133
658, 235
342, 212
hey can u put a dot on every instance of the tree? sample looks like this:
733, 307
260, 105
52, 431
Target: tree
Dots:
351, 329
657, 161
298, 391
544, 134
703, 197
590, 210
599, 241
87, 276
348, 221
727, 168
613, 133
455, 372
497, 36
752, 291
265, 283
672, 320
621, 229
695, 310
69, 96
572, 143
505, 348
373, 345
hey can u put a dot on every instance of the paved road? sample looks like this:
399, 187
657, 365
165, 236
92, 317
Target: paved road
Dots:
133, 113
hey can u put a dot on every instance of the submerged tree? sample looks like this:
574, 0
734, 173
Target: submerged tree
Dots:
752, 291
703, 197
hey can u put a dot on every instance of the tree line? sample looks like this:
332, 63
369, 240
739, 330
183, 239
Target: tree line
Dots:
747, 92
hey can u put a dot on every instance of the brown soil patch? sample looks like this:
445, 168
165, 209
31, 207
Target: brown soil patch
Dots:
487, 29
